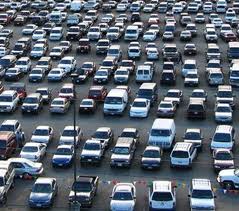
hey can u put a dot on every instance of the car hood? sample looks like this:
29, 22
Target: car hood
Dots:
85, 194
40, 196
119, 157
226, 173
40, 138
90, 152
224, 162
62, 157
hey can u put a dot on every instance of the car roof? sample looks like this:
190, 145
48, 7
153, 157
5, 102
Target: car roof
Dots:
162, 186
103, 129
43, 127
201, 184
44, 180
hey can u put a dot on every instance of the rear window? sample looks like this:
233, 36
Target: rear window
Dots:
160, 132
2, 144
180, 154
162, 196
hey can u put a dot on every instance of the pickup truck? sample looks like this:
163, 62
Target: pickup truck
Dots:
85, 188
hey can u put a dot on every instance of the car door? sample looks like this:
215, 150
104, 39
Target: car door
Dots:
19, 168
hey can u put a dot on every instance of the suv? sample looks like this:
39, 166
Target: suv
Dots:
223, 159
162, 196
151, 157
170, 52
224, 137
194, 136
8, 101
201, 195
213, 52
32, 103
97, 93
183, 154
196, 109
225, 95
123, 152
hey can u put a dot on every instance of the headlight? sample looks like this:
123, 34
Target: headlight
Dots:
97, 157
82, 156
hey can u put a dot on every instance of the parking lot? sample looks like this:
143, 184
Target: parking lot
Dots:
202, 167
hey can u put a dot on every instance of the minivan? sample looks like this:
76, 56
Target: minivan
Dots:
148, 91
131, 33
116, 102
183, 155
162, 133
8, 144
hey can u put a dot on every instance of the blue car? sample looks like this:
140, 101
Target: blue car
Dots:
43, 193
63, 156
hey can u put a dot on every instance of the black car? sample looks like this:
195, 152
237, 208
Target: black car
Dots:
13, 74
84, 46
190, 49
66, 46
168, 77
196, 109
135, 17
87, 106
80, 76
47, 27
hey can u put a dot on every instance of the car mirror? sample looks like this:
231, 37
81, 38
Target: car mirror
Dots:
134, 197
189, 195
215, 196
112, 150
110, 197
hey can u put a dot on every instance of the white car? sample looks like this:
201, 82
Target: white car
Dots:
24, 64
121, 76
134, 52
177, 7
56, 74
229, 178
140, 108
94, 33
33, 151
166, 109
68, 63
191, 79
29, 29
38, 34
67, 136
200, 94
4, 51
56, 52
201, 195
59, 105
123, 197
42, 134
8, 101
38, 51
174, 95
223, 113
150, 35
56, 33
152, 54
217, 22
121, 7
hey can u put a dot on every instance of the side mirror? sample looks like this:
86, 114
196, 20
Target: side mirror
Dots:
110, 197
215, 196
189, 195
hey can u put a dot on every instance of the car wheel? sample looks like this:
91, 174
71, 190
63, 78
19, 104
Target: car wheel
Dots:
228, 185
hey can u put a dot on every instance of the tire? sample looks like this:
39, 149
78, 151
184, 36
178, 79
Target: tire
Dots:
228, 185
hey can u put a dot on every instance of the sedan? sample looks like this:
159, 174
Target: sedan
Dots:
186, 35
59, 105
123, 197
42, 134
190, 49
166, 109
13, 74
43, 193
29, 29
36, 75
63, 156
105, 135
87, 106
56, 53
151, 157
56, 74
38, 34
80, 76
25, 168
223, 113
222, 159
140, 108
150, 35
33, 151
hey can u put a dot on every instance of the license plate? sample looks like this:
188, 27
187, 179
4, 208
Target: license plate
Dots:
195, 112
89, 160
86, 108
38, 205
60, 164
119, 164
150, 167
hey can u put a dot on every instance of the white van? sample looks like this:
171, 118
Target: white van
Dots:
116, 102
162, 133
76, 6
131, 33
144, 73
234, 75
183, 155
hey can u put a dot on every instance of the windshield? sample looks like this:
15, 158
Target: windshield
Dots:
128, 134
113, 100
121, 150
162, 196
234, 74
31, 100
66, 90
41, 132
29, 149
2, 144
139, 104
122, 196
224, 94
42, 188
198, 94
69, 133
64, 151
192, 136
7, 128
160, 132
223, 156
81, 187
5, 99
151, 154
202, 194
101, 134
222, 137
172, 94
1, 182
223, 109
36, 71
92, 146
145, 92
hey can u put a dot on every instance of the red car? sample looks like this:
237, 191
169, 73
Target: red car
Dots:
97, 93
21, 90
